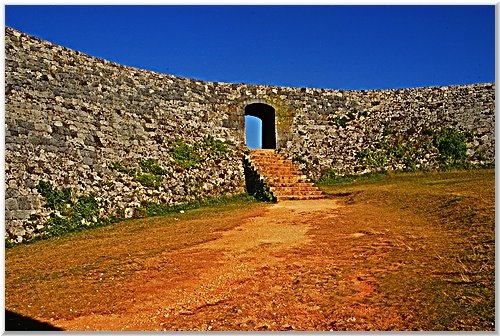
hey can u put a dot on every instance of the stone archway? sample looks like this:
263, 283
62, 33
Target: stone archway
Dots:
267, 114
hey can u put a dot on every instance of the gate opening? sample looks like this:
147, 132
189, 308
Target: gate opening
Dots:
267, 132
253, 132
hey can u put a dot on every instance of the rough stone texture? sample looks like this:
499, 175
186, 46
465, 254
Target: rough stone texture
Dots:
69, 117
407, 115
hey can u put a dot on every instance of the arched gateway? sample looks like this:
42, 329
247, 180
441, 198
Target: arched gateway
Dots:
267, 114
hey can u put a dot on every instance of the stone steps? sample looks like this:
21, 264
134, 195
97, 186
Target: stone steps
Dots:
281, 193
297, 198
292, 186
282, 177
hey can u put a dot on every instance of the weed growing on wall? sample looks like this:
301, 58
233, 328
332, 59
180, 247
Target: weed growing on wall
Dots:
68, 213
331, 177
118, 166
372, 158
54, 199
216, 147
350, 116
149, 173
72, 214
403, 152
184, 154
448, 146
340, 121
304, 164
152, 167
452, 147
149, 180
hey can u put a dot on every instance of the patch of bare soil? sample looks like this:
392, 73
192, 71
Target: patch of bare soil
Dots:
391, 255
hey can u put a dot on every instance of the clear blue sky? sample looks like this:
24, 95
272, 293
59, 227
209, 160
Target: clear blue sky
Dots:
341, 47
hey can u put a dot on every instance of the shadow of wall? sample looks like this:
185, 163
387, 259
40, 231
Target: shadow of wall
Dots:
17, 322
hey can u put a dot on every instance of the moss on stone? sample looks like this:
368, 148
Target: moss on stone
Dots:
284, 113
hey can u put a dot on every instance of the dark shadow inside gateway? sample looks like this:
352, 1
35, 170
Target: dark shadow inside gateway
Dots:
267, 114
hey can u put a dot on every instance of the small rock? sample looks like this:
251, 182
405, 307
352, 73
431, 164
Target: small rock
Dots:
186, 312
263, 326
357, 235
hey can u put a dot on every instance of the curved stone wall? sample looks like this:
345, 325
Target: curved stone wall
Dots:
361, 131
85, 123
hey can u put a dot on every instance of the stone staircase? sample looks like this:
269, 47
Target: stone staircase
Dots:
282, 177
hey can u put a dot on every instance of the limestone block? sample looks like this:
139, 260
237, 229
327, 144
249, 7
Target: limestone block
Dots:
17, 214
11, 204
25, 203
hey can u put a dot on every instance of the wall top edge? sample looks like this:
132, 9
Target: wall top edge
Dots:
9, 31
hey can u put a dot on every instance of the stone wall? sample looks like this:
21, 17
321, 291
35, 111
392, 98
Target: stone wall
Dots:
355, 132
70, 117
85, 123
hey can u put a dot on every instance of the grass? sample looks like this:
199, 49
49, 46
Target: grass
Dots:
154, 209
104, 259
441, 229
412, 251
332, 179
86, 208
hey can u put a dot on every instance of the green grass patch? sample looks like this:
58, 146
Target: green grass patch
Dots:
155, 209
331, 177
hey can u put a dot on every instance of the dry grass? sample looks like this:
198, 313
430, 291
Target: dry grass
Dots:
404, 252
90, 272
437, 230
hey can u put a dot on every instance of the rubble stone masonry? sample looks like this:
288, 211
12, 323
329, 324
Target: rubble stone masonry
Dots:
83, 123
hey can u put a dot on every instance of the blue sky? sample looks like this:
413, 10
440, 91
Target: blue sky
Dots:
340, 47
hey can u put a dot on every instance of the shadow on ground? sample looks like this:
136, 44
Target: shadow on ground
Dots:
16, 322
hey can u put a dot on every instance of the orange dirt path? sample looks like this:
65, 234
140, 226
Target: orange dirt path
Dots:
226, 278
295, 265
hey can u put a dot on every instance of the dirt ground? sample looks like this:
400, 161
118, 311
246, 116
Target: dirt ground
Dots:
405, 253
